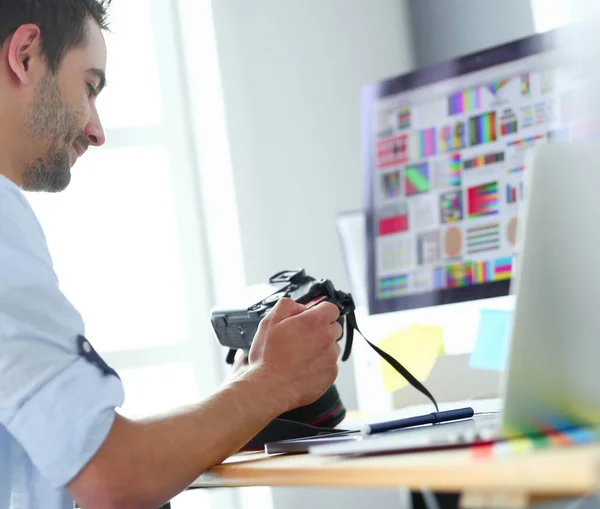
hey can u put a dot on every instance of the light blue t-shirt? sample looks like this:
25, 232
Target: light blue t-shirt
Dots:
56, 405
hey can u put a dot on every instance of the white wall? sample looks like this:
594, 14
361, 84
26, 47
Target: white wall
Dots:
292, 74
450, 28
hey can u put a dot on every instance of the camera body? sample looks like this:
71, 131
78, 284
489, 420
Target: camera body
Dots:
236, 328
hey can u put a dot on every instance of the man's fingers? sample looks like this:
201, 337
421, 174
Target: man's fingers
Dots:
285, 308
240, 359
335, 351
336, 331
324, 312
320, 315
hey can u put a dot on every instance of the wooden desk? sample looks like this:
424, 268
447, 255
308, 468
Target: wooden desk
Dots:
517, 479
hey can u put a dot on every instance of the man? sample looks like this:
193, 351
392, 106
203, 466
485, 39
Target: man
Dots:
60, 438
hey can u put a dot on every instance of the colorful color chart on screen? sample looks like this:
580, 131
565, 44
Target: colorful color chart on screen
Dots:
450, 166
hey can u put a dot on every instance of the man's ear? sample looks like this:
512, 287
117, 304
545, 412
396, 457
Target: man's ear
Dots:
25, 53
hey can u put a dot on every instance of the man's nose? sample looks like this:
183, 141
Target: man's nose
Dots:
94, 132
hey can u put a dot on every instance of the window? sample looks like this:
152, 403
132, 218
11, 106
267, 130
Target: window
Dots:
551, 14
114, 238
133, 98
127, 238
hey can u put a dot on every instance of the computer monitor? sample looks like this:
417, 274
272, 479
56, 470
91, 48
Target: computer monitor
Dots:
444, 155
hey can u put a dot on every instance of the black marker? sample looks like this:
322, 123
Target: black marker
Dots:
433, 418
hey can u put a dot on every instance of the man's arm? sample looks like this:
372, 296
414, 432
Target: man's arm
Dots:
293, 360
144, 464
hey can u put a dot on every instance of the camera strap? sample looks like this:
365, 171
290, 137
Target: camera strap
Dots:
352, 326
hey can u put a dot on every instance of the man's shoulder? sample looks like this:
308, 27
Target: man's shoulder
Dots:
19, 227
12, 196
14, 207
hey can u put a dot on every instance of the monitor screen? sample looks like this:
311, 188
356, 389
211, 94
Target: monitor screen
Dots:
444, 157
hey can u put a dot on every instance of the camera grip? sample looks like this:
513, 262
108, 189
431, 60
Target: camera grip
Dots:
235, 329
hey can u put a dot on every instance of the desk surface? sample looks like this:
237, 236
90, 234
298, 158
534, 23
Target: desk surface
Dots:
540, 474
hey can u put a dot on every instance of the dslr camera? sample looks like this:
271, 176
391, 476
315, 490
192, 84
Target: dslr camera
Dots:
236, 328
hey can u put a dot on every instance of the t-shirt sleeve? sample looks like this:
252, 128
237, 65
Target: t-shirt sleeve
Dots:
55, 402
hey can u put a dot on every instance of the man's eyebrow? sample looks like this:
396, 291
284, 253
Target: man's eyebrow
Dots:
101, 75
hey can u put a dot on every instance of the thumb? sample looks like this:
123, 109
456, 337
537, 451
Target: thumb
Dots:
285, 308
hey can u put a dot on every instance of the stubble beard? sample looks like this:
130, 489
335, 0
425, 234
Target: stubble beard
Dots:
50, 119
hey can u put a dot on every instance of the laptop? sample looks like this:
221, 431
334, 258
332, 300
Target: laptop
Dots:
552, 379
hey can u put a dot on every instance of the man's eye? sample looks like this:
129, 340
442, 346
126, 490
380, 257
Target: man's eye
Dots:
91, 90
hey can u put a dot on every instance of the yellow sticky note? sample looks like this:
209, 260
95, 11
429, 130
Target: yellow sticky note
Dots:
416, 347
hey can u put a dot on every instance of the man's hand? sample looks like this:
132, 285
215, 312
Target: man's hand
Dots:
293, 361
240, 365
296, 350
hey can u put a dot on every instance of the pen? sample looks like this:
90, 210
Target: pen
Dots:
435, 417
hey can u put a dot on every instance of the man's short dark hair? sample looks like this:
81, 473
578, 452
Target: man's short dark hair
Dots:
62, 23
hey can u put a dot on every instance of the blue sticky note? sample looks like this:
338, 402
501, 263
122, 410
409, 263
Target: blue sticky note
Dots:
491, 348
